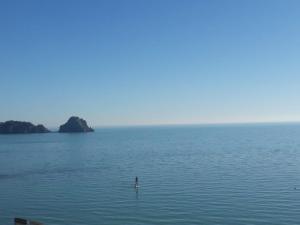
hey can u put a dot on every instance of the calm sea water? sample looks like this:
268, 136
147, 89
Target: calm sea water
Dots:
245, 174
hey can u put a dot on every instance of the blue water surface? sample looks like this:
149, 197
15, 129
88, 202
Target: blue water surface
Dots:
223, 174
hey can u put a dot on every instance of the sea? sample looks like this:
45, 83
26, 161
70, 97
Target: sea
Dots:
234, 174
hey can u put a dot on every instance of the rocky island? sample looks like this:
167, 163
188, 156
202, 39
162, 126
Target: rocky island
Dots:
75, 124
20, 127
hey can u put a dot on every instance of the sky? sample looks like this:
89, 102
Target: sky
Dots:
147, 62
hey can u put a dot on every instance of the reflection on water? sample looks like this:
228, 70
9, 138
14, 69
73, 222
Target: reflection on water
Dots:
137, 193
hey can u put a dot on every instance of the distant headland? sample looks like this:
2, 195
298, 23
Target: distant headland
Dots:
73, 125
20, 127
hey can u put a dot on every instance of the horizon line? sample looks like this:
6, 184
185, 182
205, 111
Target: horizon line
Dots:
188, 124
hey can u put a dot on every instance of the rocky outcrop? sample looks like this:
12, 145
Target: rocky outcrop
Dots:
20, 127
75, 124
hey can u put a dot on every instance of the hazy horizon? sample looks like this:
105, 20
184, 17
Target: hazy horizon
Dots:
56, 127
120, 63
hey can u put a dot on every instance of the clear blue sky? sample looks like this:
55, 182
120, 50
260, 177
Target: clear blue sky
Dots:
150, 62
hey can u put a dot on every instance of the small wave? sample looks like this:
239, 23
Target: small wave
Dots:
44, 172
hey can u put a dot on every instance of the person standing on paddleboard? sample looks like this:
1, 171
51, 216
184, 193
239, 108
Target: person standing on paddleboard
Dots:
136, 182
